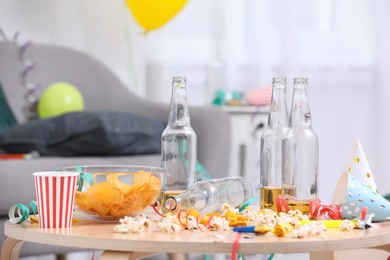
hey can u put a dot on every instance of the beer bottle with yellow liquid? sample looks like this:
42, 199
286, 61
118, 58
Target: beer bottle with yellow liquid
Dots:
178, 145
300, 148
271, 146
210, 195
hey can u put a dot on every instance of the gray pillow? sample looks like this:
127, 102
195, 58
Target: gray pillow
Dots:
86, 134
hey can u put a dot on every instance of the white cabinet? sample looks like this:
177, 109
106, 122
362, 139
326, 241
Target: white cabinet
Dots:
247, 123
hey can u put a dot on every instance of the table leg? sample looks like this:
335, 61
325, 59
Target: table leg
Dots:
119, 255
327, 255
176, 256
11, 249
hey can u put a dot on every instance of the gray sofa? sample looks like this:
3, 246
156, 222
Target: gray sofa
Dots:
101, 90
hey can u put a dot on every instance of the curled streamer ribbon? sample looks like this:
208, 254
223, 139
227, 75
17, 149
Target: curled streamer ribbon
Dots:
281, 203
317, 210
19, 213
247, 203
30, 109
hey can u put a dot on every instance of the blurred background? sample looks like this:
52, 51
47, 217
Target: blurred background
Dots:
342, 47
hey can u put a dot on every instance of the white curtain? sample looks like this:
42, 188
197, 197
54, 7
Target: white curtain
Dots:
341, 46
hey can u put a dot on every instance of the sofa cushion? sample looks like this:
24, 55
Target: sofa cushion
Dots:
85, 134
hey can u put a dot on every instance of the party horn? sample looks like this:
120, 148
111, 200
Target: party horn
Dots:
282, 229
336, 223
259, 229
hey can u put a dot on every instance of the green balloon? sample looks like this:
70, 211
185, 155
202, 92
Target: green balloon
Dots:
60, 98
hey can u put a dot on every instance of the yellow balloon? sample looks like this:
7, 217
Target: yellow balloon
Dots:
152, 14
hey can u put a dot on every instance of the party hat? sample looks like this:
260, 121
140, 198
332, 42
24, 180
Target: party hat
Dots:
353, 196
357, 166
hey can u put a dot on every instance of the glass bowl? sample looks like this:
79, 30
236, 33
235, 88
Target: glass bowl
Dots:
107, 193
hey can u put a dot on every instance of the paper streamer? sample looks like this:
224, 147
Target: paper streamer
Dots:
19, 213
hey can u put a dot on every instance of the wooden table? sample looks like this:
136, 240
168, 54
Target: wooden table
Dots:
150, 241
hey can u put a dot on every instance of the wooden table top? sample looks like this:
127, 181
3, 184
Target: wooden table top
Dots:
102, 236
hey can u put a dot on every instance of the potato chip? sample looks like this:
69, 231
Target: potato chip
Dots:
114, 198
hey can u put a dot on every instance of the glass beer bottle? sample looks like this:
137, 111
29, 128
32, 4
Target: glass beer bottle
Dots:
271, 146
178, 145
300, 148
209, 196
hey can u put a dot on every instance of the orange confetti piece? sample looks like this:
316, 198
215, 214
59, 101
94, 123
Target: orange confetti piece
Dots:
235, 220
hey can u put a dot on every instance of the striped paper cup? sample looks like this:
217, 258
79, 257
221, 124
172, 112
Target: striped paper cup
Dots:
55, 193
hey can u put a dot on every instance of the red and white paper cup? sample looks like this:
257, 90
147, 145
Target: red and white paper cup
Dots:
55, 193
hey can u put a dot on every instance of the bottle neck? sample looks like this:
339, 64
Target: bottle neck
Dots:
186, 200
179, 113
278, 116
300, 111
172, 203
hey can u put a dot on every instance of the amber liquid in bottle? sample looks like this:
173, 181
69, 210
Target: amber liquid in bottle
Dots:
269, 194
293, 202
301, 205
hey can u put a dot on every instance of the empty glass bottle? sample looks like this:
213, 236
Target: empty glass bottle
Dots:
178, 144
300, 152
209, 196
271, 146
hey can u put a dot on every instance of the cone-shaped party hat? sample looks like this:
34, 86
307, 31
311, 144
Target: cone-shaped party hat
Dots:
357, 166
353, 196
